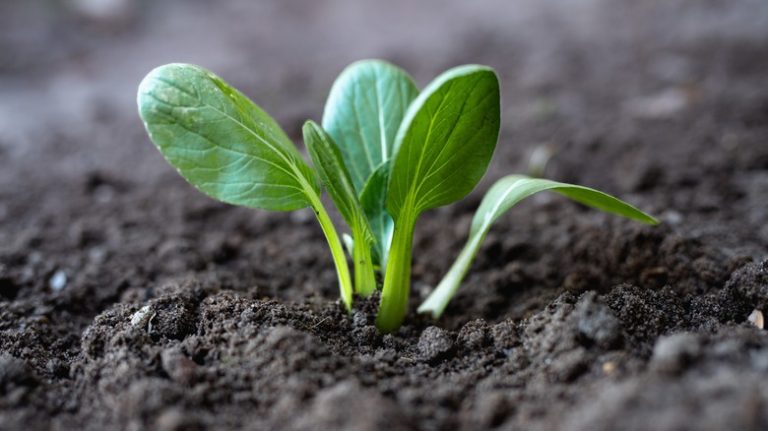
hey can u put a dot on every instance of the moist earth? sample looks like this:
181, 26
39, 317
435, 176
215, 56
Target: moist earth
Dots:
130, 301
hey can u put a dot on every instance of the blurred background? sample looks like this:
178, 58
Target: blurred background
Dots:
637, 97
69, 68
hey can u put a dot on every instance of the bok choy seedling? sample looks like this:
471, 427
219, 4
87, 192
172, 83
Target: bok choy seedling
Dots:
385, 153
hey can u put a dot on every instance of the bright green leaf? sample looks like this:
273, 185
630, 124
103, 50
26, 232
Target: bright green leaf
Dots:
230, 149
502, 196
363, 113
221, 142
446, 140
373, 198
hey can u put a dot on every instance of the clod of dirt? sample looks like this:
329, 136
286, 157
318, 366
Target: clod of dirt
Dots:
147, 397
473, 336
179, 367
751, 282
176, 419
706, 396
16, 380
673, 353
434, 343
646, 314
174, 317
597, 323
347, 406
504, 335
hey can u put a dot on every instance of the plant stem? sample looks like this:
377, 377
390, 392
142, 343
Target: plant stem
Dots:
365, 277
437, 300
397, 279
337, 251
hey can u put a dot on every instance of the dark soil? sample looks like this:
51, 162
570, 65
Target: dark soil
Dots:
130, 301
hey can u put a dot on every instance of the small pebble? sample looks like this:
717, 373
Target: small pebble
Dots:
609, 368
141, 316
756, 318
58, 281
672, 217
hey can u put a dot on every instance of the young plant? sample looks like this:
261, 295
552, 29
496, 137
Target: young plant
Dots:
385, 154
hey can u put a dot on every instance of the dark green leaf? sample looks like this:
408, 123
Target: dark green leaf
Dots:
221, 142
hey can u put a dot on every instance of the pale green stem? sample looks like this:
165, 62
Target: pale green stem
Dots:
337, 251
365, 277
397, 279
437, 301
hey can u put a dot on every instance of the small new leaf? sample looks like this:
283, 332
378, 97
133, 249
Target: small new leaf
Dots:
221, 142
502, 196
373, 198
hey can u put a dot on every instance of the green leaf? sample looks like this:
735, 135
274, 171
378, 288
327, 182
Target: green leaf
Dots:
446, 140
442, 149
363, 113
502, 196
230, 149
373, 198
330, 166
333, 173
222, 143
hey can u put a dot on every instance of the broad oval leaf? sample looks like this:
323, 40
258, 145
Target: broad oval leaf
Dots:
330, 166
363, 112
373, 198
502, 196
446, 140
221, 142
